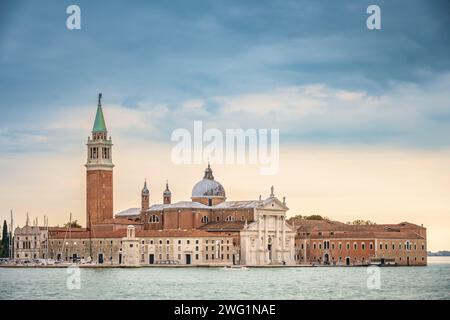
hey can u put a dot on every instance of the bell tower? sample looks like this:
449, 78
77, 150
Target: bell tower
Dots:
99, 172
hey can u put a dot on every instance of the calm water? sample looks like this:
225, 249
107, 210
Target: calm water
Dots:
431, 282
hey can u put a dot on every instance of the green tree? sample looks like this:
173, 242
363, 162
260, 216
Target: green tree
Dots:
74, 224
314, 217
5, 241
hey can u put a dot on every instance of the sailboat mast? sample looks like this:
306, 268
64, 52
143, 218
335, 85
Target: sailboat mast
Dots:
11, 242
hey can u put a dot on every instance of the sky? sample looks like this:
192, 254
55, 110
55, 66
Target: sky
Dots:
364, 115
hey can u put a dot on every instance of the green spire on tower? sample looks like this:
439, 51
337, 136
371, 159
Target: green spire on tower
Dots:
99, 124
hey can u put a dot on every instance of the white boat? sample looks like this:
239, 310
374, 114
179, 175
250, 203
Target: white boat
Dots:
235, 268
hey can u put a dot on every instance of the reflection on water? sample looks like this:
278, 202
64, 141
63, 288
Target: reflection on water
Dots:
430, 282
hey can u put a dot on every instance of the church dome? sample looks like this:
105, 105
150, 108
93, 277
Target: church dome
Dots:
208, 187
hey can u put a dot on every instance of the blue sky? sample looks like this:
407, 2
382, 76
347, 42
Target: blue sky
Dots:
151, 53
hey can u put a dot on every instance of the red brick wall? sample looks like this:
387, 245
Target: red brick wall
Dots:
99, 196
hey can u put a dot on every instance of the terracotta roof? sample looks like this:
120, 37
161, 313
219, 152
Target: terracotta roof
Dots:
179, 233
368, 235
119, 221
224, 226
87, 234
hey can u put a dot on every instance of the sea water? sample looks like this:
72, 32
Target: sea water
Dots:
430, 282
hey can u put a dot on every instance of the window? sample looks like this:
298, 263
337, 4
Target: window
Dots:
348, 246
363, 246
196, 256
217, 218
355, 246
314, 246
340, 246
167, 241
381, 246
188, 242
160, 241
332, 245
393, 246
205, 219
242, 218
153, 219
320, 246
229, 218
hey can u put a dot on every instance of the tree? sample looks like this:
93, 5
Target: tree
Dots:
74, 224
314, 217
360, 222
5, 241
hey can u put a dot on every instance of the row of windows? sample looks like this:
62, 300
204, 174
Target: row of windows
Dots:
326, 245
155, 219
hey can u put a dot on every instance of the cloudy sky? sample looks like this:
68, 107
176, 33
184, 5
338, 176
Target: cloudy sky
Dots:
364, 115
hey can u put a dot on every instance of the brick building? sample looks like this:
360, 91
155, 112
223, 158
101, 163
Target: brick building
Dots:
323, 242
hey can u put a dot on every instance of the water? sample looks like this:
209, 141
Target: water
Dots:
431, 282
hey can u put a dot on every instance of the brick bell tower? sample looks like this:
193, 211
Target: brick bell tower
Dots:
99, 172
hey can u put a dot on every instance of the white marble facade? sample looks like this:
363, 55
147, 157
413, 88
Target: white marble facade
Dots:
269, 240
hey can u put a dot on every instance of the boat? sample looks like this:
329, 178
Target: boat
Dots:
235, 268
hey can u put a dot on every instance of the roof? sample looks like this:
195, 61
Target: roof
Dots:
121, 233
99, 124
249, 204
369, 235
224, 226
118, 221
379, 231
179, 205
129, 212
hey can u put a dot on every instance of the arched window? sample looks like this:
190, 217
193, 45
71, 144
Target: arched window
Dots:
153, 218
205, 219
229, 218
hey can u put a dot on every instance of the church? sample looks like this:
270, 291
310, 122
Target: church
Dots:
207, 229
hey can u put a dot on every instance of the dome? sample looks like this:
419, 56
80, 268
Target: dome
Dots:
208, 187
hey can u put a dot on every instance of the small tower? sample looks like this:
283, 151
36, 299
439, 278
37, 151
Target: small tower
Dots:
145, 195
167, 195
99, 172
